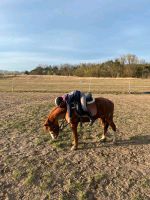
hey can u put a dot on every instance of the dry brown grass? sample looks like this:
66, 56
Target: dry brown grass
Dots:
64, 84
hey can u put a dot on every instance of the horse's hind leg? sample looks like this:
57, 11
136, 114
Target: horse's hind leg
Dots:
113, 126
106, 125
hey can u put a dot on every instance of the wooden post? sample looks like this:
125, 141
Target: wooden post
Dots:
129, 88
12, 85
90, 85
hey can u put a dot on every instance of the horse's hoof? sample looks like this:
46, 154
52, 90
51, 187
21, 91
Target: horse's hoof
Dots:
73, 148
103, 140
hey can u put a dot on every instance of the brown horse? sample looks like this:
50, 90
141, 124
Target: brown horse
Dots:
104, 112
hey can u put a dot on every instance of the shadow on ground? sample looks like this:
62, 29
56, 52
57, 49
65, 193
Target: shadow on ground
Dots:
135, 140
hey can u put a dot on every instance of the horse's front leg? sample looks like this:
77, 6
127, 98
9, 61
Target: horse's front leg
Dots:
74, 136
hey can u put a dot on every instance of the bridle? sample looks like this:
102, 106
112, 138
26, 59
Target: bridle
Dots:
55, 128
63, 125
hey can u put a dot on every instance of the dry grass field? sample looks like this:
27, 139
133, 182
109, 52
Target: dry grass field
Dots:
32, 166
59, 84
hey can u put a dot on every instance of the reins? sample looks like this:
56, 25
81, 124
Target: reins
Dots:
63, 125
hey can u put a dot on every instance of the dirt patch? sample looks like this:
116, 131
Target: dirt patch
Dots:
34, 167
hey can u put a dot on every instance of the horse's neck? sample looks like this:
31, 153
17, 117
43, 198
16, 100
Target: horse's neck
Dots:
57, 114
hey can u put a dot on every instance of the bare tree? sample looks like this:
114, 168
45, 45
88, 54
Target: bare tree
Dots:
129, 59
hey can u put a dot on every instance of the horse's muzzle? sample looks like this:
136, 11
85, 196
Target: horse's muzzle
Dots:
53, 135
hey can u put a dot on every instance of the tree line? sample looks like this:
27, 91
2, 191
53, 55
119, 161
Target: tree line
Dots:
126, 66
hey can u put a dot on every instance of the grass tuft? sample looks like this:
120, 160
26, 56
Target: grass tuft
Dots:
31, 177
16, 174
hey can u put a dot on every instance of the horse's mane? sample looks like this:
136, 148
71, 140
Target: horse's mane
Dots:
53, 109
58, 108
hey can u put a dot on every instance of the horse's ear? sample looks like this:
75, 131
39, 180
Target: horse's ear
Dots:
46, 123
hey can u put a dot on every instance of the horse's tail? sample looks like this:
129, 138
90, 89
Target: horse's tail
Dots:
110, 112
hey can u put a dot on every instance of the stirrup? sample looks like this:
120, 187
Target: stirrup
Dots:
91, 122
80, 121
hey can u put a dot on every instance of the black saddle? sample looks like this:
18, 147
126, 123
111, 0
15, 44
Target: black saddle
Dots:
89, 97
78, 109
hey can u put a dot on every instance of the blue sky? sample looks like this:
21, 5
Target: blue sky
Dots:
34, 32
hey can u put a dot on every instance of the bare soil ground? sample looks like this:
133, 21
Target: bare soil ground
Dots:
32, 166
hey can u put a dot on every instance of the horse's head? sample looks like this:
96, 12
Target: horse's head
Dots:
51, 124
52, 127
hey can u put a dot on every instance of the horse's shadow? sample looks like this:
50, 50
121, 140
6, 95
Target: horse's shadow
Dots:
135, 140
